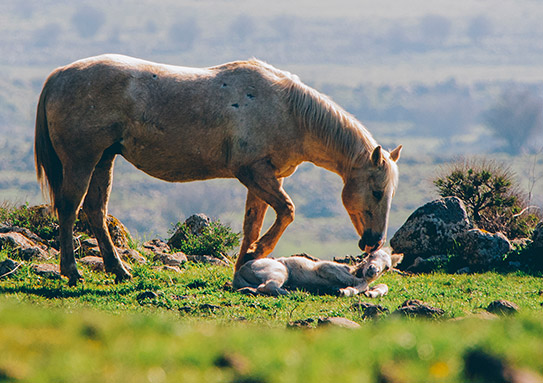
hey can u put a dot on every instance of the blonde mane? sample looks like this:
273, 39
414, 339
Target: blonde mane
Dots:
321, 116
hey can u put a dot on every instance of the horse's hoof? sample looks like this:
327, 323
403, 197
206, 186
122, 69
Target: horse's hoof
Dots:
121, 277
74, 279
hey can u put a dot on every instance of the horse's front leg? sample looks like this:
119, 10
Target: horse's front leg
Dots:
255, 211
261, 181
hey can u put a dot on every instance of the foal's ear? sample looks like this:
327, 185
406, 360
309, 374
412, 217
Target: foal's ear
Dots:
395, 154
377, 156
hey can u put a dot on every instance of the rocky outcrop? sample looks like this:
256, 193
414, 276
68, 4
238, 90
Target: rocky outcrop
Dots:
480, 250
431, 230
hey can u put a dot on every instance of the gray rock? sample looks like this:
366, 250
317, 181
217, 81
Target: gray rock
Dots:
416, 308
195, 224
157, 246
302, 323
131, 255
206, 259
370, 310
502, 307
167, 259
47, 270
338, 322
431, 229
93, 262
482, 250
24, 246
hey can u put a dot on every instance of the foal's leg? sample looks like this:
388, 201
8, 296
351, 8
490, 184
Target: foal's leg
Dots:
255, 211
95, 207
260, 179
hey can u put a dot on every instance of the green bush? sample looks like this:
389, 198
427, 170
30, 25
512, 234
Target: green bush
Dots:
491, 195
215, 240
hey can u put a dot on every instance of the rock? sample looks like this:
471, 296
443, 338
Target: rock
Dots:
482, 250
8, 267
416, 308
301, 323
118, 232
147, 295
431, 229
176, 259
24, 231
93, 262
47, 270
481, 366
206, 259
26, 248
427, 265
338, 322
502, 307
370, 310
131, 255
157, 246
195, 224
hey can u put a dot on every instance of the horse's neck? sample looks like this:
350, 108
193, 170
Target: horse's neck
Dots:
327, 156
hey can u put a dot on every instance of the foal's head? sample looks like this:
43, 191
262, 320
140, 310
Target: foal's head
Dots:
367, 196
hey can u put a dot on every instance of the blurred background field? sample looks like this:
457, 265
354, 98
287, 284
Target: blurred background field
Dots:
443, 79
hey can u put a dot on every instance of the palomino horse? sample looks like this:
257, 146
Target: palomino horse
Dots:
244, 120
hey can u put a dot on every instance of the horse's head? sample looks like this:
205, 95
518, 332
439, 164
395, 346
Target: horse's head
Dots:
367, 196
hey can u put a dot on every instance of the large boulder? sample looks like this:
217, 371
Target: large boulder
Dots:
481, 250
431, 230
195, 224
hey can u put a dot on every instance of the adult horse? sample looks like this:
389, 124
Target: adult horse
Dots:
244, 120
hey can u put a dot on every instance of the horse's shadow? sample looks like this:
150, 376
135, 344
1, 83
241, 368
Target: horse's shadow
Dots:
61, 291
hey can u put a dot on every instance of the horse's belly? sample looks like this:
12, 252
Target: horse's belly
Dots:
175, 166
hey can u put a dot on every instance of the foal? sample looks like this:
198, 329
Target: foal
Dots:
277, 276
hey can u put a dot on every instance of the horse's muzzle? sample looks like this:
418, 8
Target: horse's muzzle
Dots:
370, 241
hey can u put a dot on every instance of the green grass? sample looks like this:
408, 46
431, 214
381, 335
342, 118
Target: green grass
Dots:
102, 331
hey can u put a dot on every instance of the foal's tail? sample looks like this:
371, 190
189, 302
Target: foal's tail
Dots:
48, 165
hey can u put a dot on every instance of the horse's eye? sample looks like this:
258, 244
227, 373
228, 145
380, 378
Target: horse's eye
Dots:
377, 194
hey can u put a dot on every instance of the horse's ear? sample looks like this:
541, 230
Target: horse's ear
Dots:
395, 154
377, 156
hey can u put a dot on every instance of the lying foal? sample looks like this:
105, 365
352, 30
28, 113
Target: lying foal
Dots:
275, 276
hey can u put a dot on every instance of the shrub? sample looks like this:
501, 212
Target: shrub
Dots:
491, 195
216, 240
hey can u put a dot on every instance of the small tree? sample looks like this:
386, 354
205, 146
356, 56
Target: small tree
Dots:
491, 195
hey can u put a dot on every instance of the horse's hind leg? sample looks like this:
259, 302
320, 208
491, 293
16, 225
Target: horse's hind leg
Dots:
67, 201
95, 207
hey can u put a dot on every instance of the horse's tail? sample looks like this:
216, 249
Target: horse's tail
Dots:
48, 165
